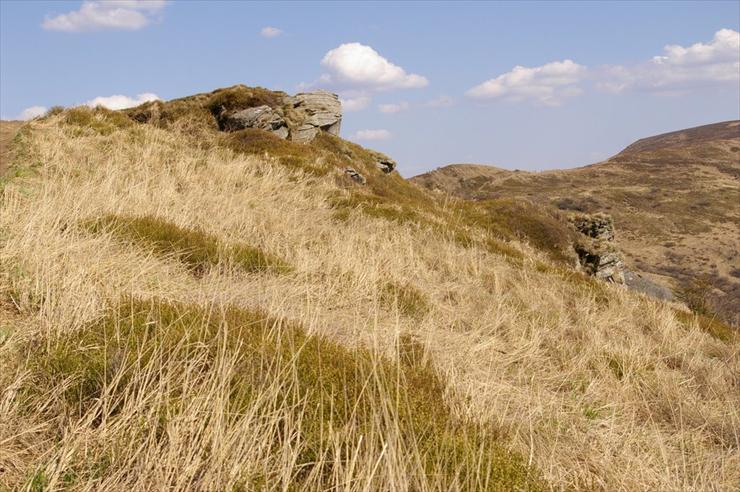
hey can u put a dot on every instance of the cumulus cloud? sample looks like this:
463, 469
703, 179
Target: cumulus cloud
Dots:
439, 102
121, 102
354, 103
270, 32
679, 68
109, 14
32, 112
379, 134
547, 85
394, 107
356, 65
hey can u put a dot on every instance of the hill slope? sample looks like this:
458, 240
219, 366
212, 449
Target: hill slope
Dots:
674, 199
187, 309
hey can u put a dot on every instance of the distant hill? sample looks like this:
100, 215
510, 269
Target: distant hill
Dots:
727, 130
675, 199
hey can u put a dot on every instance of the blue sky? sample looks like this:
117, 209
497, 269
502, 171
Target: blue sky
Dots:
430, 83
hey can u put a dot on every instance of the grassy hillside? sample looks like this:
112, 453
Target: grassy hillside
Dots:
674, 199
187, 309
8, 129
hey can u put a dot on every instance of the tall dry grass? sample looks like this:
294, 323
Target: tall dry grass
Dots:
603, 392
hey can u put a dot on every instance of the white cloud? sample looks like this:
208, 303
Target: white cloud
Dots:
439, 102
354, 103
371, 135
32, 112
109, 14
548, 85
121, 102
359, 66
394, 107
270, 32
679, 69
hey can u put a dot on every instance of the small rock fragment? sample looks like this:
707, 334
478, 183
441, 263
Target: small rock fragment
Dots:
359, 178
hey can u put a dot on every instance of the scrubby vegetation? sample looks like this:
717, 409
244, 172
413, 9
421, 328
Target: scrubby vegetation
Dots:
100, 120
417, 342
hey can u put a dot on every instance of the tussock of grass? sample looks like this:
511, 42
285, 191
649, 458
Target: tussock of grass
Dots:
407, 298
339, 396
100, 120
186, 115
242, 97
196, 249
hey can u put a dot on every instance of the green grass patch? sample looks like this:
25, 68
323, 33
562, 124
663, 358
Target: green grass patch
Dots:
709, 324
372, 206
338, 394
198, 250
518, 219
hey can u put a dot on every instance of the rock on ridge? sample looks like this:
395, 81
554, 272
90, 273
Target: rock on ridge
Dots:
316, 111
599, 256
262, 117
298, 118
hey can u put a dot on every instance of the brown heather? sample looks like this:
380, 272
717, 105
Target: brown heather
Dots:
406, 342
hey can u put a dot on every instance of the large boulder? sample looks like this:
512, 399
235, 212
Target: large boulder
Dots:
298, 118
262, 117
314, 112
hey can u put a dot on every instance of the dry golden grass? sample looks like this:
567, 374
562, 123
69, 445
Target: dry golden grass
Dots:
594, 387
8, 129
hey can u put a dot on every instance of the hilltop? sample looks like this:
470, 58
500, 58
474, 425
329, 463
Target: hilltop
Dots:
191, 305
674, 199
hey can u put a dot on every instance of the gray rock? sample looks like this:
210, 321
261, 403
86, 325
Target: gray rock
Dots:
383, 162
314, 111
355, 175
599, 256
597, 253
596, 226
262, 117
304, 133
637, 282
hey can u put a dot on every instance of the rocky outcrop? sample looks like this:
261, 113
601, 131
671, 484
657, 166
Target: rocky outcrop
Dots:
314, 112
596, 251
298, 118
262, 117
599, 256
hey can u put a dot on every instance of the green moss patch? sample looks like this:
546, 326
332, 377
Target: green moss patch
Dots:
196, 249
